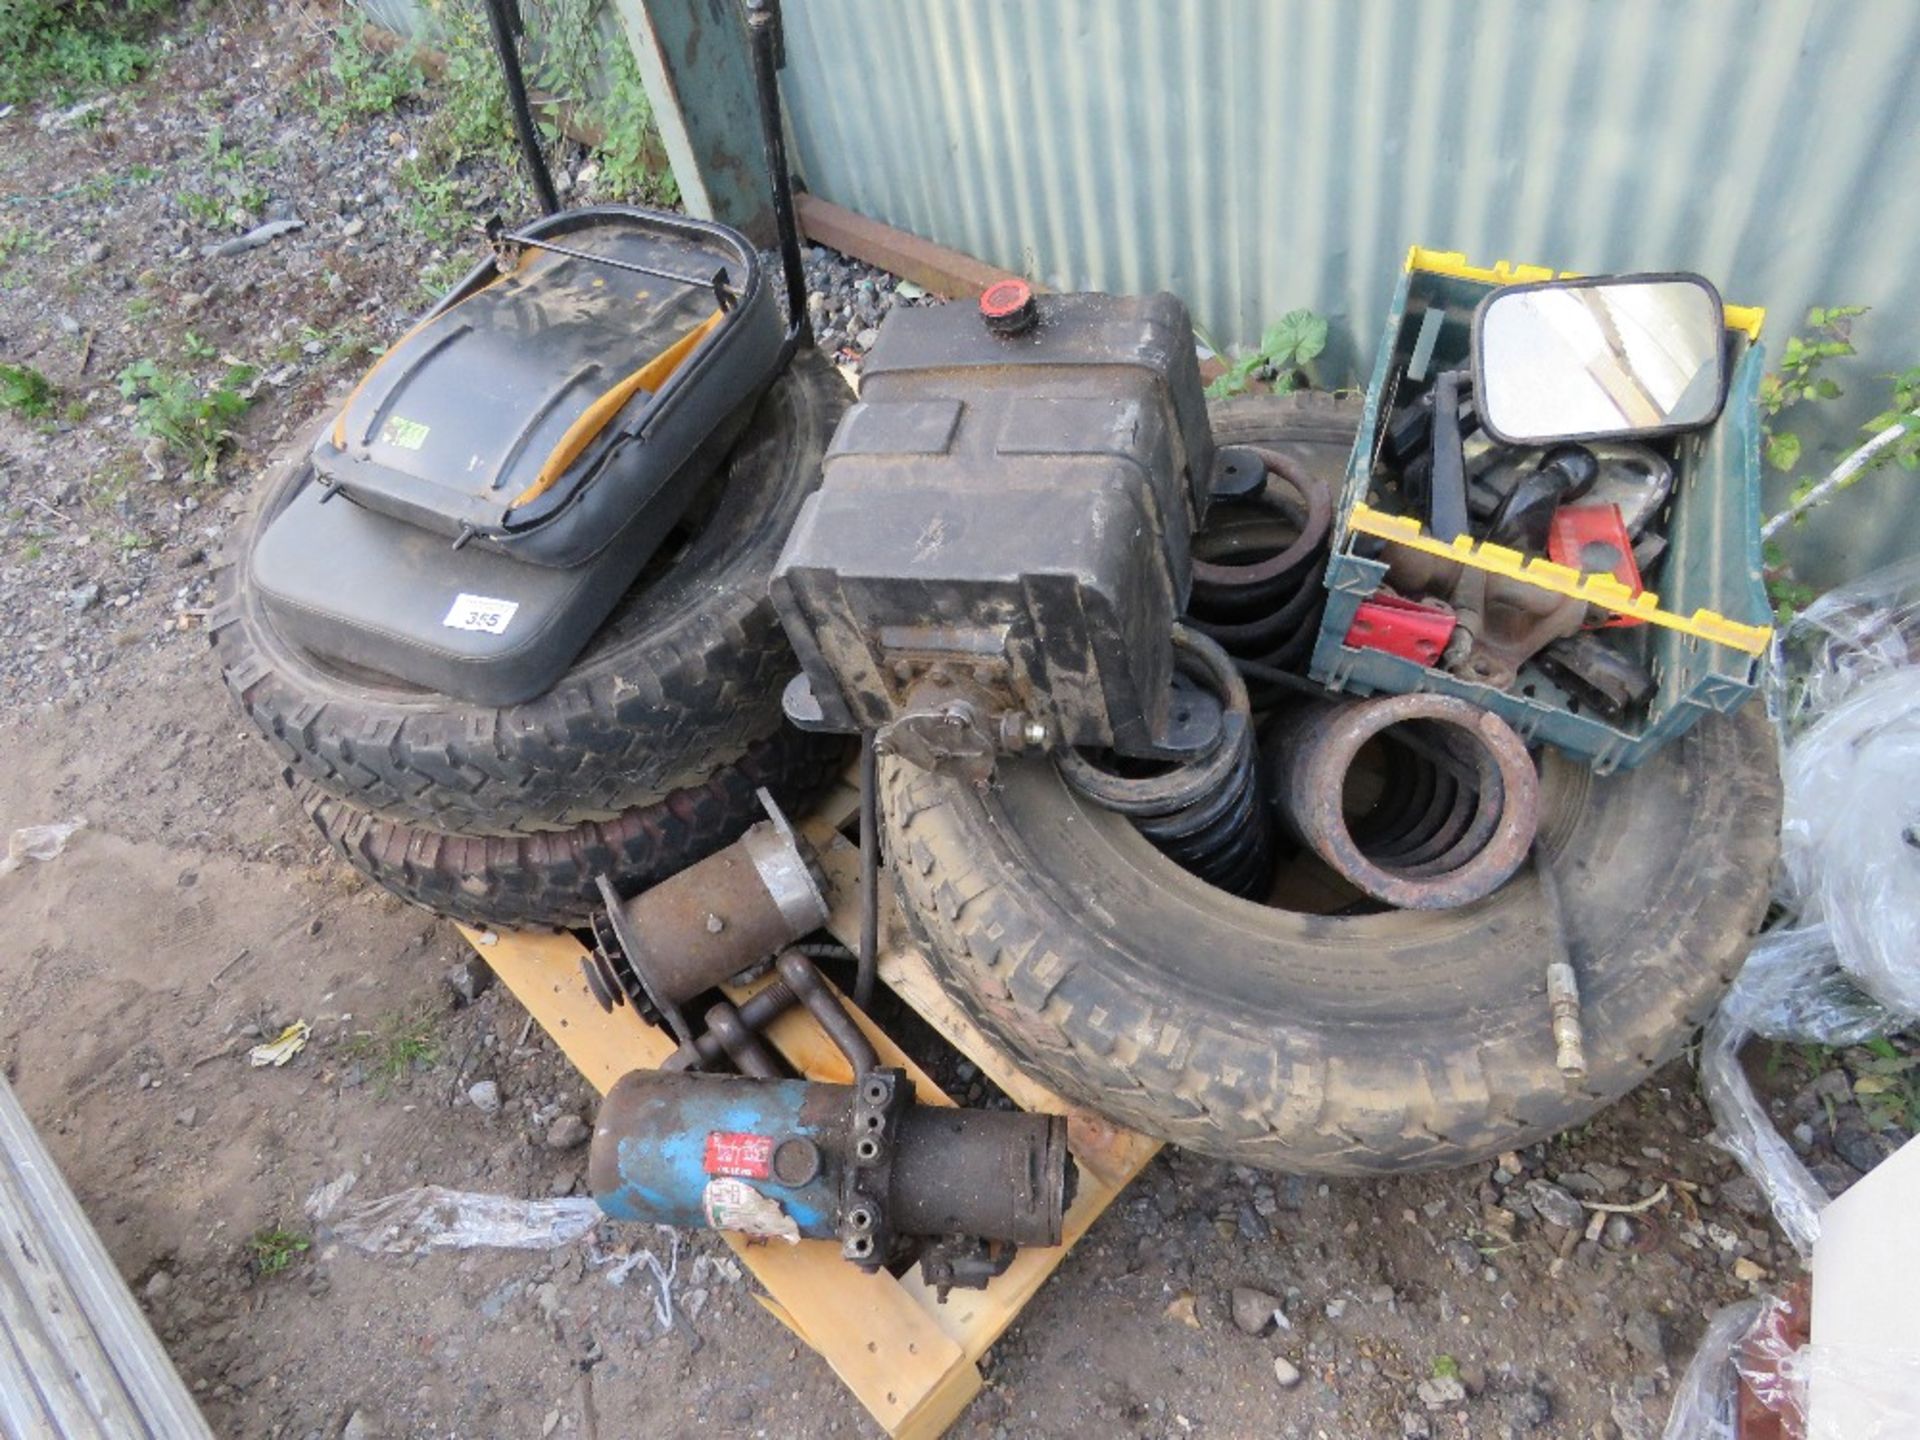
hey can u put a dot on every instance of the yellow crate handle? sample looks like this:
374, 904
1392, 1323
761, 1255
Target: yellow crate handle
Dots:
1598, 589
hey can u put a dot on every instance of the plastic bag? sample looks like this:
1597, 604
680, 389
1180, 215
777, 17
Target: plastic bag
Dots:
1783, 969
1822, 1392
1846, 638
1850, 836
432, 1217
38, 842
1704, 1400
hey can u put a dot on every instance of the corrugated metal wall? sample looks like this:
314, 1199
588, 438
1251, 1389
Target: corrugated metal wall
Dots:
1257, 155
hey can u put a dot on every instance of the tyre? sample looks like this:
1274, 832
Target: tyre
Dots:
682, 678
547, 879
1340, 1044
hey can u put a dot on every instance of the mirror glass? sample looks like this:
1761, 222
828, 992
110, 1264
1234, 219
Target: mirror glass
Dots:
1589, 358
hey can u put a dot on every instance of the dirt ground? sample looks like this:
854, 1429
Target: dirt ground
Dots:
197, 912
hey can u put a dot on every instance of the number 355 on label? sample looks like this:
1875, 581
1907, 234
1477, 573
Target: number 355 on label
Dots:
479, 612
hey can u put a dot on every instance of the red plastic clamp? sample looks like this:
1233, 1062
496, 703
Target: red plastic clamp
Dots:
1412, 629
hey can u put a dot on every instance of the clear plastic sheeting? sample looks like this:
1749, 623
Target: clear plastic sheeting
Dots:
1843, 964
1810, 1386
1781, 985
432, 1217
38, 842
1850, 836
1704, 1401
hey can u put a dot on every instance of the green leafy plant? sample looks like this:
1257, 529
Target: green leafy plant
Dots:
400, 1043
1286, 351
362, 79
193, 420
629, 150
60, 49
1445, 1367
1801, 381
25, 391
274, 1249
1887, 1085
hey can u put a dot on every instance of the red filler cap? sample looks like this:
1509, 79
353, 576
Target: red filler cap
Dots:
1007, 307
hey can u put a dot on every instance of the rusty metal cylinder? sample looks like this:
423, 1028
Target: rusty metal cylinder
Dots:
1457, 805
999, 1174
719, 916
776, 1158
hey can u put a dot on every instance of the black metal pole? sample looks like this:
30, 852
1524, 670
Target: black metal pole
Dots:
763, 25
506, 27
869, 960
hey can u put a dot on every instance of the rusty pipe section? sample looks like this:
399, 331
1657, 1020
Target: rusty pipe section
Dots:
1457, 796
707, 923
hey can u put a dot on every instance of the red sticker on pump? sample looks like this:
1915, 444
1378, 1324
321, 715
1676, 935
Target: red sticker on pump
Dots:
739, 1154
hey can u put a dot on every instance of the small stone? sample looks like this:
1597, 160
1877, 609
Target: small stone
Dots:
1742, 1193
550, 1424
866, 338
1747, 1272
98, 252
1555, 1206
1286, 1372
1462, 1256
1527, 1410
1336, 1307
362, 1425
469, 978
83, 597
158, 1285
1414, 1426
1441, 1391
568, 1132
1252, 1309
1643, 1333
1612, 1178
1582, 1185
1510, 1160
485, 1095
353, 227
187, 1117
1618, 1233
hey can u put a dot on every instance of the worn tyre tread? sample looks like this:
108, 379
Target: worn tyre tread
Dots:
684, 677
547, 879
1019, 920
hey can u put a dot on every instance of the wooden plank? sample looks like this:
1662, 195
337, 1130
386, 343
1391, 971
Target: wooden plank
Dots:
909, 1358
935, 268
875, 1334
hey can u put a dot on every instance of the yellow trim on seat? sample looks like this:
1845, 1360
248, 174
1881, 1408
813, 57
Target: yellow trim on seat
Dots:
596, 417
340, 420
1747, 319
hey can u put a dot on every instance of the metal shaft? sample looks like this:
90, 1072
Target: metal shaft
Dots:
869, 966
506, 29
763, 26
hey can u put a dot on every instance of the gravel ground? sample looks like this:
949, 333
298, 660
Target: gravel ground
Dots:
198, 913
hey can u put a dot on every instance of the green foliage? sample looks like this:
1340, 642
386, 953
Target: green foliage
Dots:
59, 50
630, 142
363, 80
1802, 380
401, 1043
1286, 351
25, 391
194, 420
274, 1249
232, 196
1886, 1084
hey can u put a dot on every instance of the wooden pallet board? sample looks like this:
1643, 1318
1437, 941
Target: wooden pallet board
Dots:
910, 1360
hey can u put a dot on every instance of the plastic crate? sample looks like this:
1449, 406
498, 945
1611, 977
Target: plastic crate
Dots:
1710, 622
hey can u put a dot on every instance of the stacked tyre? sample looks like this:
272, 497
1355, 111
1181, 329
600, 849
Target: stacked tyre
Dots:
646, 756
1329, 1041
